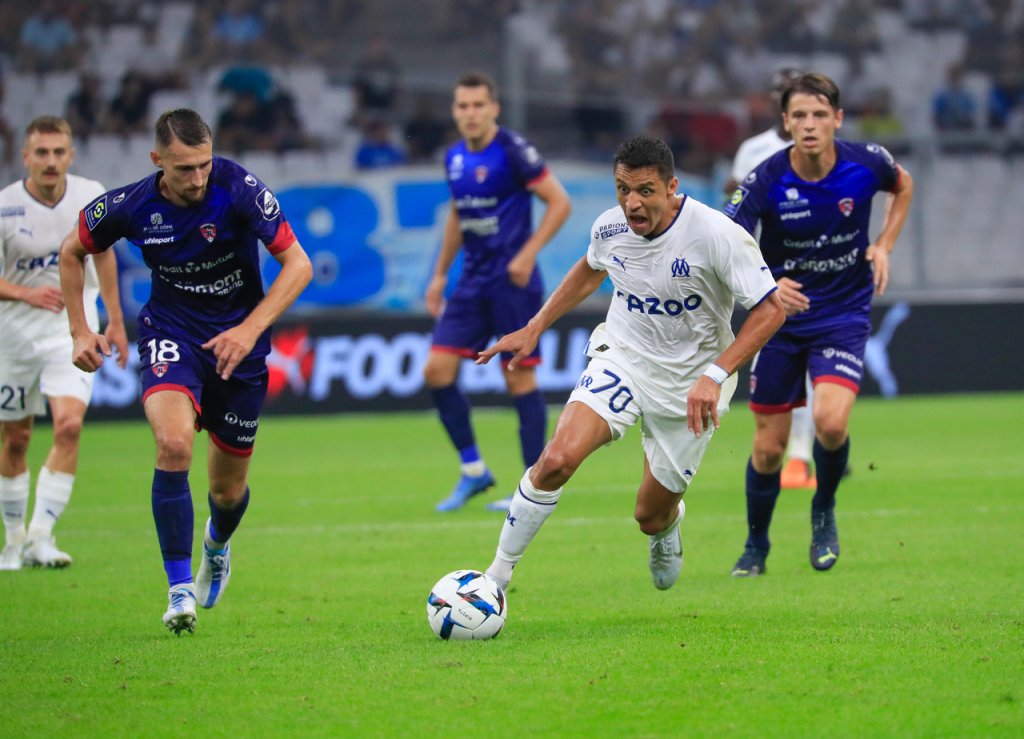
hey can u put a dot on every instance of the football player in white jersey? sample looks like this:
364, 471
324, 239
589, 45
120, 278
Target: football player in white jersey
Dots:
665, 358
36, 214
797, 471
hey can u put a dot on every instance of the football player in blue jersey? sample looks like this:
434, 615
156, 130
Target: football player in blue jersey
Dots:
493, 174
813, 201
203, 337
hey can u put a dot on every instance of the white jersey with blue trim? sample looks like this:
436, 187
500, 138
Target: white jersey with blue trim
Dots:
670, 314
31, 233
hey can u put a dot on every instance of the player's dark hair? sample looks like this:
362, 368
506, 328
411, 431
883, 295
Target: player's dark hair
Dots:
48, 124
646, 151
814, 84
479, 79
182, 124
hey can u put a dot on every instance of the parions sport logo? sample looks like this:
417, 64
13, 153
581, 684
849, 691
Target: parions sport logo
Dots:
610, 229
268, 204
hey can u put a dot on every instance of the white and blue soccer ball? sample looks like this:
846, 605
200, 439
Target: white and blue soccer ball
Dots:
466, 604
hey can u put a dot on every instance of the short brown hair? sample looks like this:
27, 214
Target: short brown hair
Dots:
183, 124
48, 124
479, 79
814, 84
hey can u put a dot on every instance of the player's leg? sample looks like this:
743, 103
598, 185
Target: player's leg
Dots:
579, 431
779, 385
228, 499
172, 418
660, 511
533, 419
836, 365
832, 407
440, 373
798, 471
55, 482
231, 415
15, 436
672, 456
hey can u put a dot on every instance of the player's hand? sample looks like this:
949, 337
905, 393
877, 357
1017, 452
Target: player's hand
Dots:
435, 295
878, 256
702, 405
231, 347
520, 269
118, 339
47, 298
792, 297
519, 343
88, 351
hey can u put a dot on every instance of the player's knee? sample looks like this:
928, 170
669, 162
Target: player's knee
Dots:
174, 451
436, 376
831, 436
767, 455
651, 520
67, 431
227, 493
555, 466
15, 441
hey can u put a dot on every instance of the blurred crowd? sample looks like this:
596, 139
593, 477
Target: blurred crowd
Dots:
693, 71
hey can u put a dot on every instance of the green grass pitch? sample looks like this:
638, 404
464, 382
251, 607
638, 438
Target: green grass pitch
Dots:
917, 631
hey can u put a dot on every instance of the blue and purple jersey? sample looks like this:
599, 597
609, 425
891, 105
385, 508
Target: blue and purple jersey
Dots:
817, 232
491, 195
205, 258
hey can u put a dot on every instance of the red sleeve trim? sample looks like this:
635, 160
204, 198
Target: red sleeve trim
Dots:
285, 237
538, 178
85, 236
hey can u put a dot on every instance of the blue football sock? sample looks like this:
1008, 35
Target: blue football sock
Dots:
224, 521
533, 425
762, 492
829, 468
172, 512
453, 407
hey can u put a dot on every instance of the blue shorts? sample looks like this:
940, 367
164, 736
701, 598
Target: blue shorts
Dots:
777, 377
229, 410
470, 321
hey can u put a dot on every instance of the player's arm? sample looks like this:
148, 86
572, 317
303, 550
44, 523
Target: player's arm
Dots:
232, 346
47, 298
451, 242
702, 401
556, 211
897, 205
89, 347
580, 282
117, 337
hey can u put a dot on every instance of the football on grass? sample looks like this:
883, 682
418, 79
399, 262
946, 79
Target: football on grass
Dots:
466, 604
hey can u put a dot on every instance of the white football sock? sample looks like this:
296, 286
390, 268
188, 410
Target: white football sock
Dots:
801, 435
528, 511
474, 469
53, 491
14, 503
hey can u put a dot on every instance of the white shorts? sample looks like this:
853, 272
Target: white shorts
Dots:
24, 383
673, 451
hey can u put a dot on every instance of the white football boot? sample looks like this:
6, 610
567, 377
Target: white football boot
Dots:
214, 573
10, 558
181, 609
42, 551
666, 558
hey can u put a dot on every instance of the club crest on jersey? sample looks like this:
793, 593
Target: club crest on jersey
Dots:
95, 214
268, 204
160, 369
209, 231
846, 206
680, 268
480, 173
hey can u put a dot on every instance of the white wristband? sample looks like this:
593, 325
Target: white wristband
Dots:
716, 373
